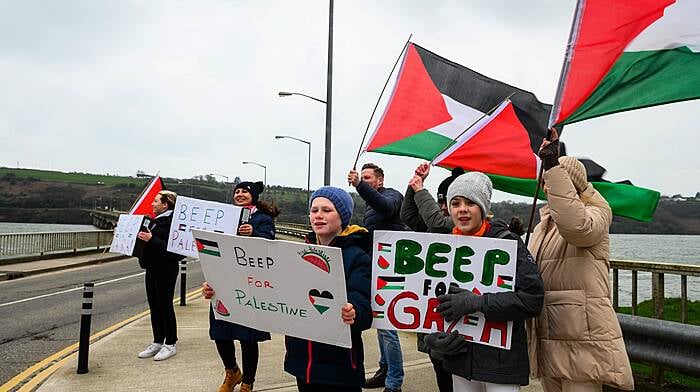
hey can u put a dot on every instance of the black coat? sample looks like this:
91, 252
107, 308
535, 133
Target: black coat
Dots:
382, 208
491, 364
263, 227
155, 255
319, 363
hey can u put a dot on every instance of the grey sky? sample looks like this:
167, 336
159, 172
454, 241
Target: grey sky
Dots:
190, 87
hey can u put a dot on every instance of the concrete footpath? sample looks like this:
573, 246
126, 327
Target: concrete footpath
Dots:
114, 365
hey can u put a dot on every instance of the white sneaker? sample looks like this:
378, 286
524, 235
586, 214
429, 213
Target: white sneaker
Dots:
151, 350
167, 351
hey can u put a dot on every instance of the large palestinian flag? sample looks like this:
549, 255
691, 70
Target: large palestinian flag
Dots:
629, 54
452, 116
435, 100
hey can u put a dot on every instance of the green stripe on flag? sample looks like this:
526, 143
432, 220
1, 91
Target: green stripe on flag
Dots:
424, 145
210, 252
625, 200
642, 79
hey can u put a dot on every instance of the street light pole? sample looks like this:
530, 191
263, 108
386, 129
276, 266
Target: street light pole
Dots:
264, 170
308, 170
329, 99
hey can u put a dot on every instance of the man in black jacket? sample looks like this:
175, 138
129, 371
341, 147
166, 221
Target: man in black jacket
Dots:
382, 212
161, 273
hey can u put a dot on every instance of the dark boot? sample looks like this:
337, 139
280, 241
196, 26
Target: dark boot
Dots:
377, 381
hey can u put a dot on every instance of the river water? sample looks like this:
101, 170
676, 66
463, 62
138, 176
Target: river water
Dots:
682, 249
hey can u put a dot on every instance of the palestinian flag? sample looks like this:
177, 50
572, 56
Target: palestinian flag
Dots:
207, 247
505, 282
382, 247
435, 100
378, 314
142, 206
629, 54
390, 282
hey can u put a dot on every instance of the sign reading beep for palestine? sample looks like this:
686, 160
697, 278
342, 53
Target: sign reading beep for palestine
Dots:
277, 286
410, 270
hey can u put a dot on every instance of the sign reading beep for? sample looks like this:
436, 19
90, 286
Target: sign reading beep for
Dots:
410, 270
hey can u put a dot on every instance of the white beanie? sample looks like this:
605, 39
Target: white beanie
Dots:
474, 186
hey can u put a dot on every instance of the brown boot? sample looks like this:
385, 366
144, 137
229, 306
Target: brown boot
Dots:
246, 387
231, 379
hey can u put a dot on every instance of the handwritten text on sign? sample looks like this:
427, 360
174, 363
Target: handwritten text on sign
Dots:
277, 286
410, 270
126, 234
207, 215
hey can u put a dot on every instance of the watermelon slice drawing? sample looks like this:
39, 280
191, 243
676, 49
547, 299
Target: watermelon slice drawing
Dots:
317, 258
221, 309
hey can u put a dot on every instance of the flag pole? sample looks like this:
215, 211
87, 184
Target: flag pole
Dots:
534, 199
359, 151
470, 127
573, 36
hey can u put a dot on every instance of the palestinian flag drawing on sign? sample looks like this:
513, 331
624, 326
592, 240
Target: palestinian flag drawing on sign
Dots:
629, 55
207, 247
435, 101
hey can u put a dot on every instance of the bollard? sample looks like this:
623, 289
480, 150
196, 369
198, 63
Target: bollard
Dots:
183, 282
85, 318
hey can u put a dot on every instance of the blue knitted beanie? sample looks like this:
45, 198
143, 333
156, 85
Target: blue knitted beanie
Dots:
341, 200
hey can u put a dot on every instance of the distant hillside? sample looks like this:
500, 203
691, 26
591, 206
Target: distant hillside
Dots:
43, 196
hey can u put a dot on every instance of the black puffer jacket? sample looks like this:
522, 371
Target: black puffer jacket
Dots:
155, 254
490, 364
382, 208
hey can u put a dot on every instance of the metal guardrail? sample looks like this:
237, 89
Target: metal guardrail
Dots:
658, 270
662, 343
21, 244
292, 229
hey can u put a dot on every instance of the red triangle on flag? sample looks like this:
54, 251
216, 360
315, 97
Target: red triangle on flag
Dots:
142, 206
476, 291
199, 245
380, 283
415, 106
500, 146
499, 281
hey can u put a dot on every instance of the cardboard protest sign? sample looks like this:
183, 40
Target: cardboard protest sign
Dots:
207, 215
125, 239
278, 286
410, 270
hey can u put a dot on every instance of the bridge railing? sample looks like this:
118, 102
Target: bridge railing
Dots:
292, 229
658, 271
27, 244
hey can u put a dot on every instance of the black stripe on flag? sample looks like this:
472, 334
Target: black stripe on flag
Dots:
207, 242
392, 278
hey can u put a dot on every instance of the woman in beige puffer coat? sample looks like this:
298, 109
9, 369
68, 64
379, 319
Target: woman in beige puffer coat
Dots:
576, 342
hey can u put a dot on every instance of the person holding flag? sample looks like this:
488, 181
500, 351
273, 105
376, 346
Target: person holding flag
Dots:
576, 344
257, 220
161, 274
476, 367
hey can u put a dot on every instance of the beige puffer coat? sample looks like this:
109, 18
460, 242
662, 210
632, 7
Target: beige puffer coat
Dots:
577, 336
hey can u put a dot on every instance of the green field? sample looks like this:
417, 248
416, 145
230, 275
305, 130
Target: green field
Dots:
73, 178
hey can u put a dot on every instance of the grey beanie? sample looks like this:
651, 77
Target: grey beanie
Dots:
474, 186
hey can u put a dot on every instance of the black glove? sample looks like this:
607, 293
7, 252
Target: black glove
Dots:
550, 155
445, 343
459, 303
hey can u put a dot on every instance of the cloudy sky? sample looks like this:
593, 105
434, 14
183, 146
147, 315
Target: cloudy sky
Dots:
190, 87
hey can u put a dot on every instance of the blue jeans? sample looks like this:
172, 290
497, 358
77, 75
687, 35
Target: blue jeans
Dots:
390, 356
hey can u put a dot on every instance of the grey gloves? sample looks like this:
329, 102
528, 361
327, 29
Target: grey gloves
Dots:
459, 303
549, 155
444, 343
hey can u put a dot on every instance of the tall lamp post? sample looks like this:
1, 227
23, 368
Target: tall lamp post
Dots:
308, 171
257, 164
328, 101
